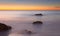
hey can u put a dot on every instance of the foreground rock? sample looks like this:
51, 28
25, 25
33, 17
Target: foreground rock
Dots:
38, 14
38, 22
29, 32
4, 27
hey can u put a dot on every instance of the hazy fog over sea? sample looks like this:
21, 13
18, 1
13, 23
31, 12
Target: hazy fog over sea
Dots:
22, 20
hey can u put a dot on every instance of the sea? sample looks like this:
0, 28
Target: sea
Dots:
23, 20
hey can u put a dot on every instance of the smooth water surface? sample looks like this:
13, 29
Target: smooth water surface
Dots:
22, 20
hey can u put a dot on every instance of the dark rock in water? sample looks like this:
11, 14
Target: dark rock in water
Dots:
4, 27
29, 32
38, 22
38, 14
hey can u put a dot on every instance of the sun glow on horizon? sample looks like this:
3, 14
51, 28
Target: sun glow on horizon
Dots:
26, 7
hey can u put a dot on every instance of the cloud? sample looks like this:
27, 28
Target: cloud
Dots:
57, 7
39, 2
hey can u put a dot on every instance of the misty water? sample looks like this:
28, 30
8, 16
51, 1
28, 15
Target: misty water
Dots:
22, 20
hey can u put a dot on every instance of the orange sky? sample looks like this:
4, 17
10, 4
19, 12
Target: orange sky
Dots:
26, 7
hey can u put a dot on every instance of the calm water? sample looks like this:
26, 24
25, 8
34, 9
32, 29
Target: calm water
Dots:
22, 20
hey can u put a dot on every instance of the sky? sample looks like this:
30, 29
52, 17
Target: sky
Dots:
29, 4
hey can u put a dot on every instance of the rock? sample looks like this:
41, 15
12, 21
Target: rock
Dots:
4, 27
29, 32
38, 22
39, 14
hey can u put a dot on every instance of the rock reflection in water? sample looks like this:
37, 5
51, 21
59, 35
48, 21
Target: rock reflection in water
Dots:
37, 27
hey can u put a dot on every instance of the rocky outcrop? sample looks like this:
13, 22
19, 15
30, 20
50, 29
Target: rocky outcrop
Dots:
38, 22
38, 14
4, 27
